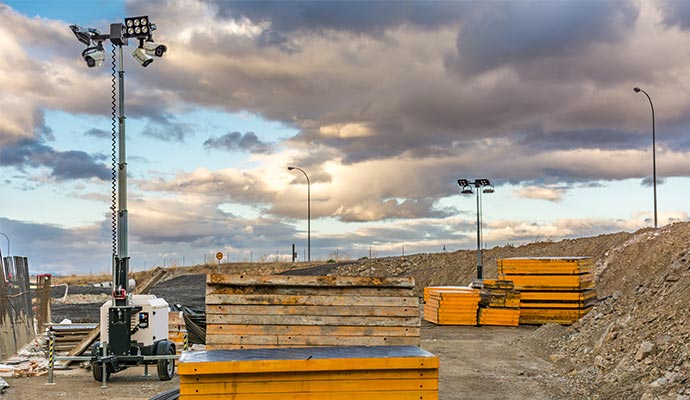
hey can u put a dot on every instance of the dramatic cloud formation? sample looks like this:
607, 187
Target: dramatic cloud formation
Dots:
63, 165
384, 104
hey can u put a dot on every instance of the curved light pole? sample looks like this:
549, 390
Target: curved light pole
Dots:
482, 186
308, 211
638, 90
8, 243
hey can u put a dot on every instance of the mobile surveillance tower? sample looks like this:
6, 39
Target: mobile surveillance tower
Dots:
134, 328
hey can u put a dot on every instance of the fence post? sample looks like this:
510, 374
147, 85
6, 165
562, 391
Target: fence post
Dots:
51, 358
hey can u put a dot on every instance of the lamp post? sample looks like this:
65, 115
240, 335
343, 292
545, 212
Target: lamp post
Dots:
638, 90
481, 186
139, 29
308, 211
8, 243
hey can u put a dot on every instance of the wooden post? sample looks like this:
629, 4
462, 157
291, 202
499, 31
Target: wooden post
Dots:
43, 296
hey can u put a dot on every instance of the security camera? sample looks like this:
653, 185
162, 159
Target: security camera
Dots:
93, 56
140, 55
154, 49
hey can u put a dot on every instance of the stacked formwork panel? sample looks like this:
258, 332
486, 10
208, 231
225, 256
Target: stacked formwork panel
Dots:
248, 312
451, 305
499, 304
334, 373
552, 289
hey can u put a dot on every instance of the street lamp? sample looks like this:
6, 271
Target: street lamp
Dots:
638, 90
139, 29
308, 211
482, 186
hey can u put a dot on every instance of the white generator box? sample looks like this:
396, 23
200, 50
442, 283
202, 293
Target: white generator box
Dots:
151, 321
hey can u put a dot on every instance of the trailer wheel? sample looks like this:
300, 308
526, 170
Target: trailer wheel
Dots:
166, 368
97, 371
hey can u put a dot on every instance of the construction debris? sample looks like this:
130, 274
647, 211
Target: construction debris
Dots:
67, 336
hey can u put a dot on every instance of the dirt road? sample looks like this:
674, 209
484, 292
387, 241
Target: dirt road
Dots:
476, 363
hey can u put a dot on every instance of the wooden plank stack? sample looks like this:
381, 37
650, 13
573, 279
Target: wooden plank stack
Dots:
176, 330
553, 289
247, 312
451, 305
68, 335
499, 304
334, 373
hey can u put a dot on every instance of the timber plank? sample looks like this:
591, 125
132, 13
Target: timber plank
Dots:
279, 299
368, 311
282, 340
311, 290
319, 281
309, 320
301, 330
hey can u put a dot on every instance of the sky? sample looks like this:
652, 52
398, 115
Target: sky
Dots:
384, 105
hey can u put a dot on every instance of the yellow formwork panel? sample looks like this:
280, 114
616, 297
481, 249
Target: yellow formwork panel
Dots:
436, 289
455, 321
306, 385
460, 307
343, 358
498, 316
314, 376
544, 265
498, 284
553, 282
558, 296
499, 298
551, 315
559, 305
396, 395
499, 322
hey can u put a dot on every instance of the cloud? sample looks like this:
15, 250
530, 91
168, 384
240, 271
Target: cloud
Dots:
247, 141
527, 30
676, 13
648, 181
167, 128
351, 16
541, 193
97, 133
63, 165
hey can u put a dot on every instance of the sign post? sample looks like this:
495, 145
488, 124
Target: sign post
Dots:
219, 256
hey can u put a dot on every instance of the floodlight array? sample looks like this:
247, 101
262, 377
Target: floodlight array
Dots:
138, 27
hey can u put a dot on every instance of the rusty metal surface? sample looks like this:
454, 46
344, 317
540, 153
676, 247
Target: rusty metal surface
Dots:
16, 316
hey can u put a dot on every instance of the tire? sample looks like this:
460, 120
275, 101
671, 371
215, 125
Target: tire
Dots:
97, 371
166, 368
